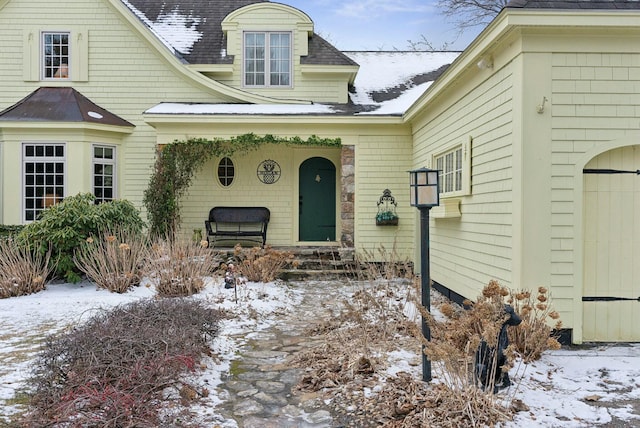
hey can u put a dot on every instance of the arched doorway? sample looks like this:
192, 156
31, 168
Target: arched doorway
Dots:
317, 200
611, 269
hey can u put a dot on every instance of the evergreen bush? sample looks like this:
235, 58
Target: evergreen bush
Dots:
65, 226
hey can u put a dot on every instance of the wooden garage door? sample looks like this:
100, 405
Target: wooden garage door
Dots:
611, 311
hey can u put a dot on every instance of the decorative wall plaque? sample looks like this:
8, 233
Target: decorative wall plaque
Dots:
269, 171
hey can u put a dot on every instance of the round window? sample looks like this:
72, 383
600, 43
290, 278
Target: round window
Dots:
226, 171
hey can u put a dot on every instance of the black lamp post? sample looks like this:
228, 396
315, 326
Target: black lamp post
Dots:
425, 194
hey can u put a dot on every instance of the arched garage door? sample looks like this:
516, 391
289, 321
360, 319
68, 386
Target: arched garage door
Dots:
611, 311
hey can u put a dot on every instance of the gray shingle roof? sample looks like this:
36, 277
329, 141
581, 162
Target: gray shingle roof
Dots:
323, 52
205, 17
574, 4
60, 105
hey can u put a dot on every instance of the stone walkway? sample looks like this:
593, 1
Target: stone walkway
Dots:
260, 386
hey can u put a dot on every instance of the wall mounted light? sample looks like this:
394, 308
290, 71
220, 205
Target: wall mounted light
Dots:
485, 63
540, 107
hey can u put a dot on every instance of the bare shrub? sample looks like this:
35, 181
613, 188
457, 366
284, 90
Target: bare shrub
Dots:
22, 271
534, 335
261, 264
120, 368
178, 268
113, 261
454, 341
381, 316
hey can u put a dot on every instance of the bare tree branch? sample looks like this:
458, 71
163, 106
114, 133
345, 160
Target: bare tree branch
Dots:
471, 13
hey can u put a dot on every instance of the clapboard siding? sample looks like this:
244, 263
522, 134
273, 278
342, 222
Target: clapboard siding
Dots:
382, 162
126, 75
469, 251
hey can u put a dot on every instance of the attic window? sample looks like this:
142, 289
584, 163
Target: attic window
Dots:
55, 55
267, 59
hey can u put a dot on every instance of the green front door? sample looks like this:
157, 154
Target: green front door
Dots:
317, 200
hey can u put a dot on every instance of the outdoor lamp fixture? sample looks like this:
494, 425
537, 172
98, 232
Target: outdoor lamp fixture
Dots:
425, 194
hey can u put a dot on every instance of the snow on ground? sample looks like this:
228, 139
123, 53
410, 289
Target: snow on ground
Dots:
576, 387
26, 320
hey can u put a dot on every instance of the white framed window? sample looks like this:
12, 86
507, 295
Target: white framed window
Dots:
454, 166
56, 55
43, 166
104, 173
226, 172
267, 59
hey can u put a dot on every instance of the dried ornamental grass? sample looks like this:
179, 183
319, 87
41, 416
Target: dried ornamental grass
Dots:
113, 261
22, 271
179, 268
382, 263
261, 264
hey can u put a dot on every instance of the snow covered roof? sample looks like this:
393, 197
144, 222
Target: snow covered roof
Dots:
388, 83
264, 109
192, 30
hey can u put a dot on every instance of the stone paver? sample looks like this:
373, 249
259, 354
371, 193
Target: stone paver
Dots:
261, 386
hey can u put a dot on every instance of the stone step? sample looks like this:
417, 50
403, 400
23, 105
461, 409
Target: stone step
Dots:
313, 274
313, 263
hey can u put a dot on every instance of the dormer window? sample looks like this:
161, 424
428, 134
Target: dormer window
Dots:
55, 55
267, 59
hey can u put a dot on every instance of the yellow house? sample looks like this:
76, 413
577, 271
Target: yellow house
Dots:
526, 126
539, 122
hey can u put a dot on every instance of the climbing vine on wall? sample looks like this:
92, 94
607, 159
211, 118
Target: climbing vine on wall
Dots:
177, 163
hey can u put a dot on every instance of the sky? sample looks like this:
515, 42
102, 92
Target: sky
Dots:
382, 24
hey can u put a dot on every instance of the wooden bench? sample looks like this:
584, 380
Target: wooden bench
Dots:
239, 223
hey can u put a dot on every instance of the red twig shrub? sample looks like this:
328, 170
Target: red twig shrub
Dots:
119, 368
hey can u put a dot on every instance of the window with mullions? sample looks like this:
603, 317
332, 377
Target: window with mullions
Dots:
55, 55
267, 59
43, 168
226, 172
449, 166
104, 168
